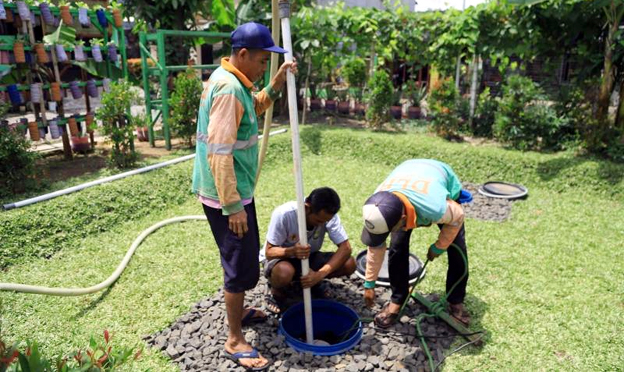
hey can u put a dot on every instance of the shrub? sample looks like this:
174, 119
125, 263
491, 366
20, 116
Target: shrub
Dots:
379, 98
99, 356
354, 72
17, 164
116, 105
184, 103
485, 113
523, 118
443, 103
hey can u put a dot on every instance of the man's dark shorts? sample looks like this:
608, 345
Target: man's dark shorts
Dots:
239, 256
316, 260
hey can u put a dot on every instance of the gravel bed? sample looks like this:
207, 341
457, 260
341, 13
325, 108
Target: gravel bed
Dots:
195, 341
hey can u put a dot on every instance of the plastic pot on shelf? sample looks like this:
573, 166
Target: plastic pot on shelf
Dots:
60, 53
66, 15
117, 17
89, 117
22, 10
96, 52
101, 16
54, 129
79, 54
48, 18
18, 51
3, 13
92, 88
106, 84
42, 55
35, 92
83, 17
33, 130
75, 90
73, 126
55, 91
14, 94
112, 53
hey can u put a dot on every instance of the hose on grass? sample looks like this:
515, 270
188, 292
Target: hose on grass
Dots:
55, 291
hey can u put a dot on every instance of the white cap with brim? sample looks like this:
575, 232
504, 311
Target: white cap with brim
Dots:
381, 212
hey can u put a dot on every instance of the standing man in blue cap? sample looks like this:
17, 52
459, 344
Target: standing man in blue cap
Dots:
224, 174
418, 193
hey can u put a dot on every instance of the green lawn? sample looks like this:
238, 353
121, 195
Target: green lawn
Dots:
545, 285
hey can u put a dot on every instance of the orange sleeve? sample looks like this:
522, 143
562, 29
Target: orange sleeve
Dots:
225, 116
452, 222
374, 261
264, 99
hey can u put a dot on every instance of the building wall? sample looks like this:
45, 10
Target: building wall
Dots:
410, 4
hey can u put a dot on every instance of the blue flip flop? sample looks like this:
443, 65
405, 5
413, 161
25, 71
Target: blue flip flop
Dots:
243, 355
250, 319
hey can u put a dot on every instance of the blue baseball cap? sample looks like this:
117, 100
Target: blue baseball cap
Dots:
254, 36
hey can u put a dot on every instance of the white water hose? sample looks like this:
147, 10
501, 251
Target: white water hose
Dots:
284, 8
25, 288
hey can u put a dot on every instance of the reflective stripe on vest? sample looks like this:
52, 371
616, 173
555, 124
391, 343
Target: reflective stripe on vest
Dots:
226, 149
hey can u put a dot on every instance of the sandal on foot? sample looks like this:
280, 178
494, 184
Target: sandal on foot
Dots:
253, 316
253, 354
385, 319
274, 305
460, 314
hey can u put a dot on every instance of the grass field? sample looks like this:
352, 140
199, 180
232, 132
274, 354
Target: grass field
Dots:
546, 285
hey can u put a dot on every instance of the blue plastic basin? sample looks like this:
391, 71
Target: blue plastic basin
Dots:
328, 318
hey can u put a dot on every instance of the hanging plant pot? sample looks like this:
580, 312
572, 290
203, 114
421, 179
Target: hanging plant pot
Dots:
79, 54
92, 88
55, 91
83, 17
33, 130
106, 84
112, 53
80, 144
22, 10
3, 14
96, 52
66, 15
54, 129
35, 92
413, 112
14, 94
75, 90
101, 16
89, 122
117, 17
396, 112
60, 53
48, 18
73, 126
343, 107
42, 55
18, 51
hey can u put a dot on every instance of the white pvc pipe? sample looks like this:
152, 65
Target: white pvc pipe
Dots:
111, 279
106, 179
294, 127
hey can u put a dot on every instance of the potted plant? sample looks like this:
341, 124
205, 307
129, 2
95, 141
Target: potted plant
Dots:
14, 94
112, 51
23, 10
79, 54
42, 55
92, 90
73, 126
343, 100
18, 49
330, 102
396, 109
54, 129
65, 13
416, 94
55, 91
96, 51
35, 92
83, 14
117, 16
3, 13
46, 14
33, 130
74, 88
61, 56
101, 16
80, 143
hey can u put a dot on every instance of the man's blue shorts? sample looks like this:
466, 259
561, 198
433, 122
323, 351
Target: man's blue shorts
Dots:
239, 256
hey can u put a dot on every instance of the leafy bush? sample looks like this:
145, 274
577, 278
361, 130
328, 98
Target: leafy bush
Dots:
523, 119
443, 104
485, 113
95, 358
184, 103
42, 229
415, 93
17, 164
354, 72
116, 105
380, 98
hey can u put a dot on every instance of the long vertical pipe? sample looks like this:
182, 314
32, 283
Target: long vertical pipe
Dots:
268, 116
284, 8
